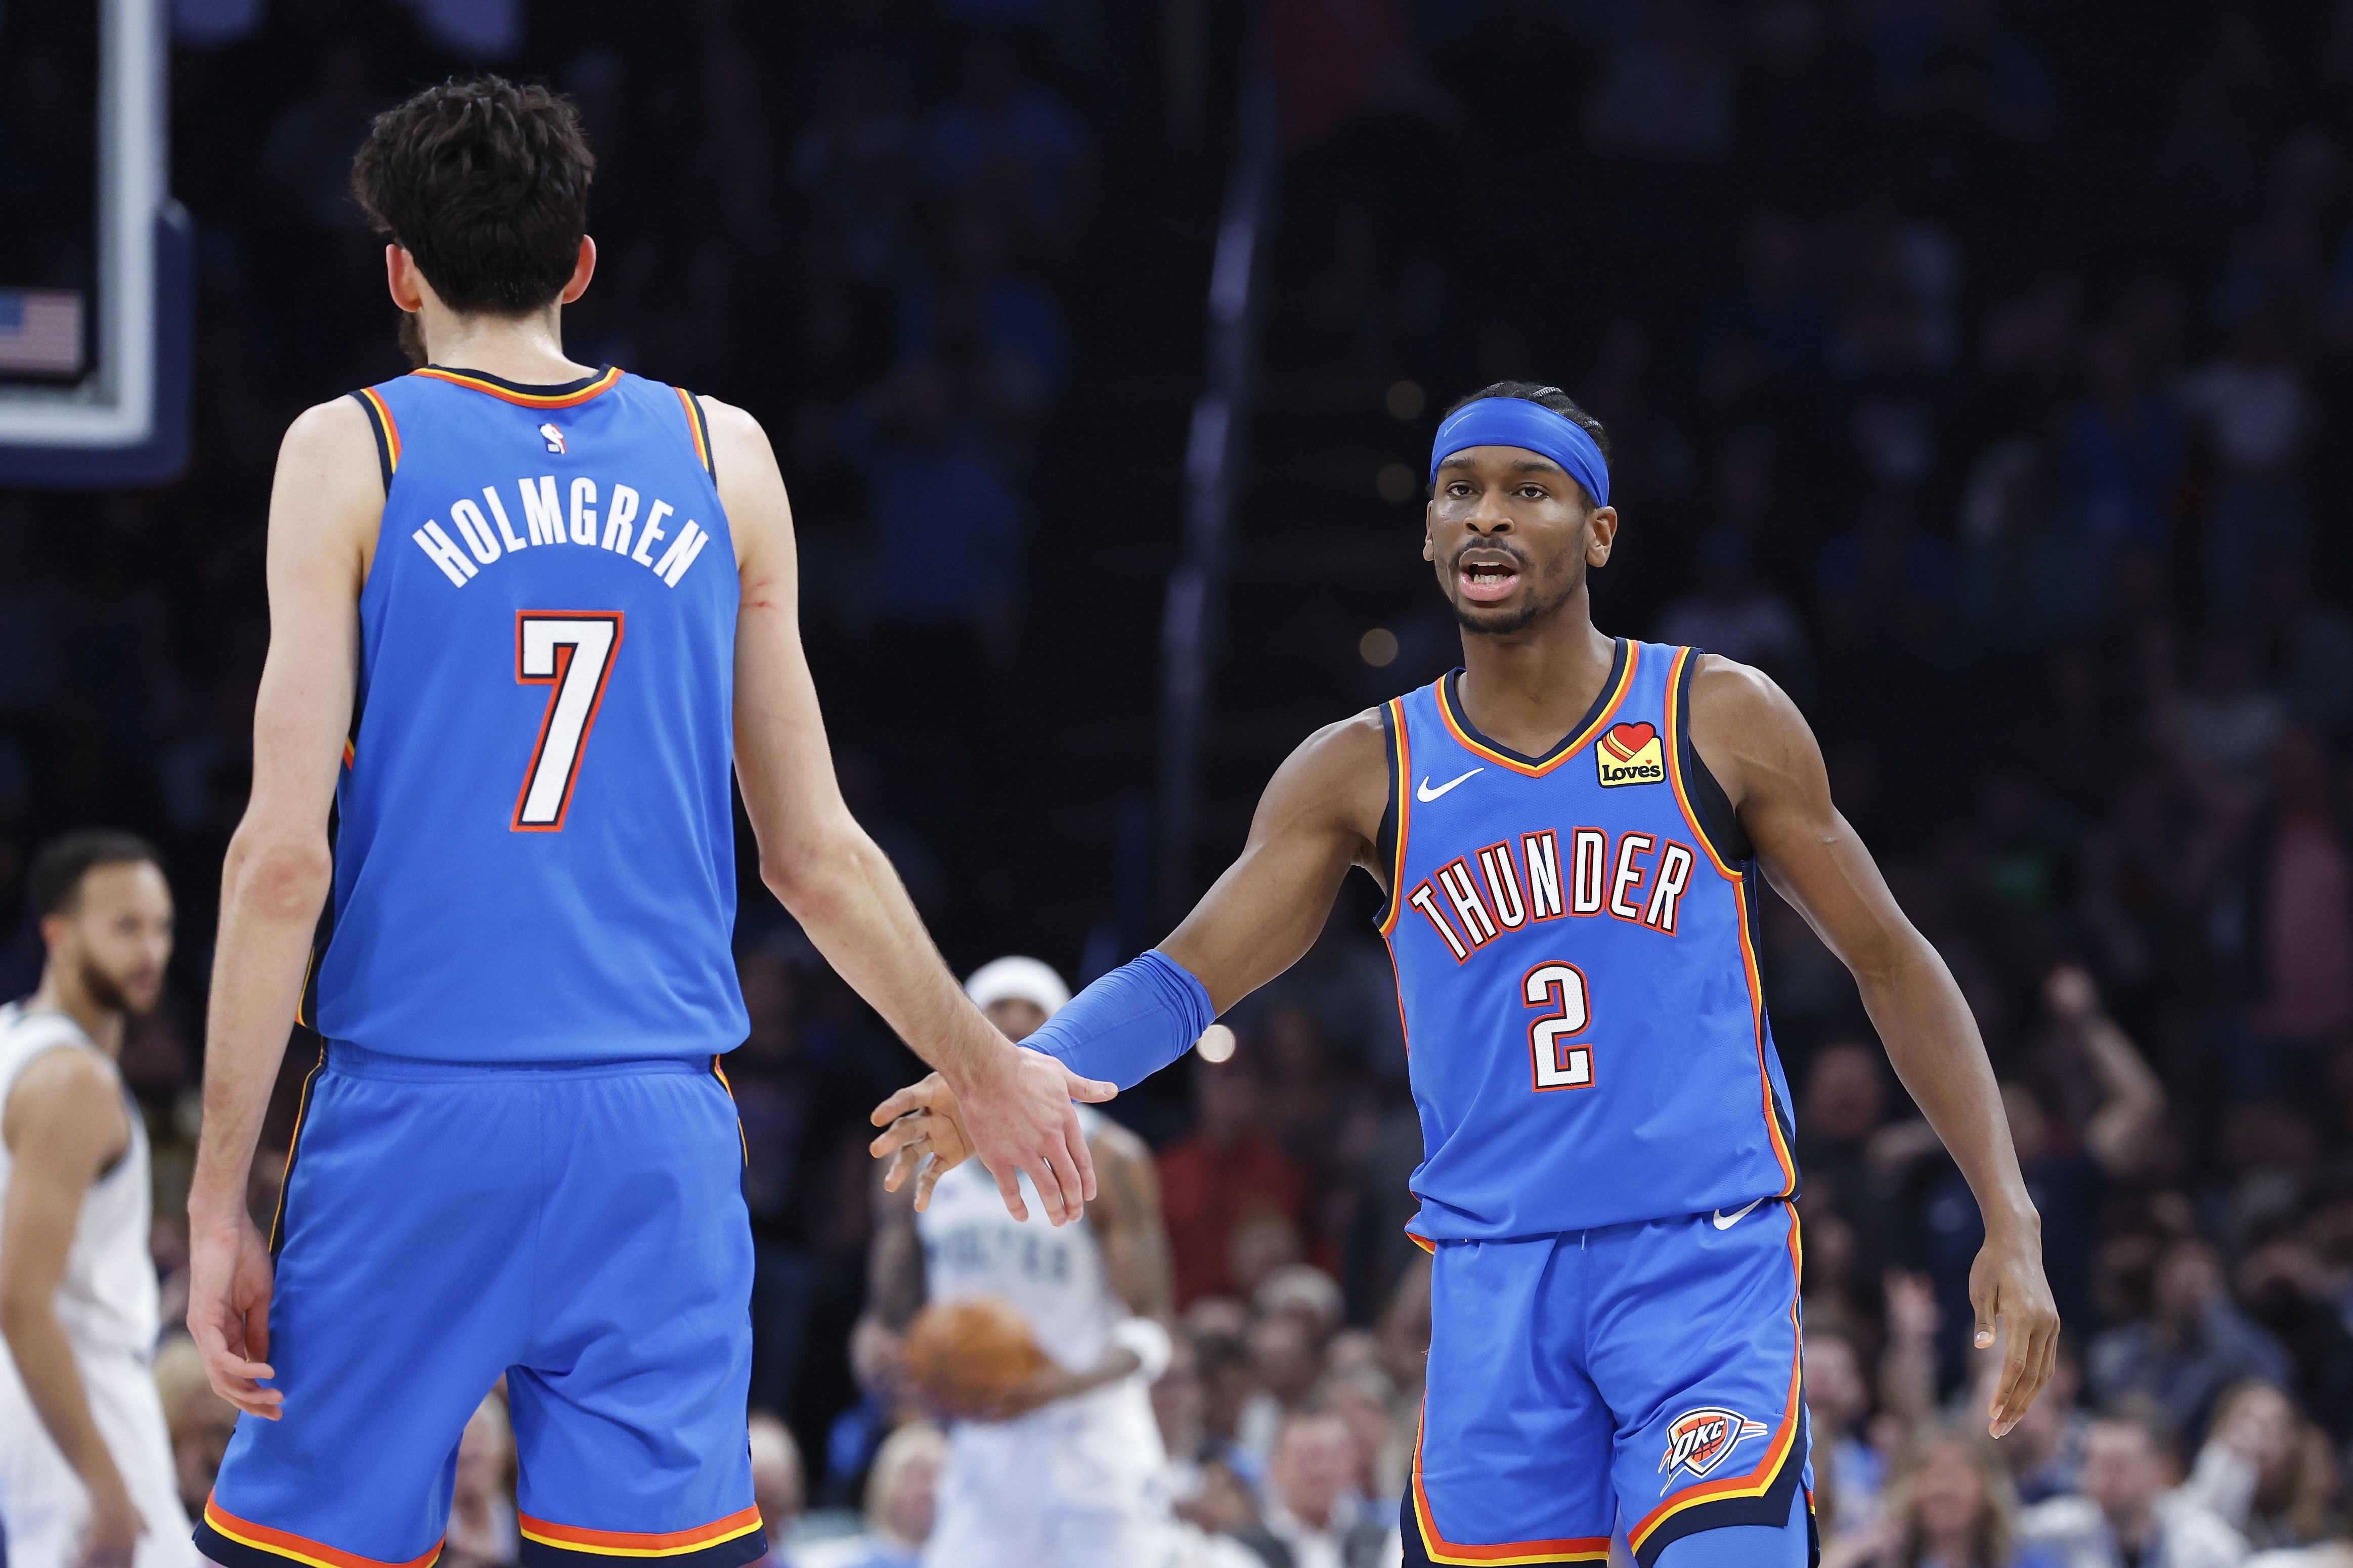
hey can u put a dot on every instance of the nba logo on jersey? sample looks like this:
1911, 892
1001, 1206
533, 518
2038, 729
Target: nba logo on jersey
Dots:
1699, 1440
554, 437
1630, 755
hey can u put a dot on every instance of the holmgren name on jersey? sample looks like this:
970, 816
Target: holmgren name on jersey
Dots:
546, 521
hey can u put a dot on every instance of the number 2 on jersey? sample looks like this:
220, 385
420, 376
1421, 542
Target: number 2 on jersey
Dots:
570, 651
1560, 988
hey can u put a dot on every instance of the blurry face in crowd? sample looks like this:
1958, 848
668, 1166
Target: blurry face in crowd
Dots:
1282, 1353
115, 938
776, 1474
1846, 1097
1834, 1389
1510, 536
1947, 1489
906, 1511
2188, 1281
1314, 1462
200, 1434
2260, 1424
485, 1450
1016, 1018
1177, 1402
2121, 1469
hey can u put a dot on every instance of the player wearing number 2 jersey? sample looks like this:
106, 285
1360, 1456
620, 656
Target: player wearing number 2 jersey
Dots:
1571, 831
525, 616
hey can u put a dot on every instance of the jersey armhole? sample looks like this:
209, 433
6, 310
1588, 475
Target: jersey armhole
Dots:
385, 430
1710, 805
1388, 839
698, 430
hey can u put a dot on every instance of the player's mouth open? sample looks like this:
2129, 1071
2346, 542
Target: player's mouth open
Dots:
1487, 580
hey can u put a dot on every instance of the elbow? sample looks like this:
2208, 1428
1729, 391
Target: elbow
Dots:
811, 875
283, 877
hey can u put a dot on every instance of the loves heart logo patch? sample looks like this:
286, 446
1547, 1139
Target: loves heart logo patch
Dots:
1630, 755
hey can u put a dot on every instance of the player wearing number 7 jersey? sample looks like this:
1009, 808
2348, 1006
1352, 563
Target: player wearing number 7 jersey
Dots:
525, 615
1571, 829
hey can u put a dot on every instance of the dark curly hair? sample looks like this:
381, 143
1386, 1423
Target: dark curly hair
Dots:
486, 184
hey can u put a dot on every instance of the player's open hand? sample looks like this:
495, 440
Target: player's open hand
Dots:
2007, 1286
229, 1284
1018, 1113
922, 1136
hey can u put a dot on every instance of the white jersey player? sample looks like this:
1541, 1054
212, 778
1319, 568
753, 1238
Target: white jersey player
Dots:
1073, 1479
86, 1474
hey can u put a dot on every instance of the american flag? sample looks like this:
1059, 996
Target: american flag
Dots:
40, 332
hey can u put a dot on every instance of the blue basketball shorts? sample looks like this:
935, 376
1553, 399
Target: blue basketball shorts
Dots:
1643, 1377
578, 1230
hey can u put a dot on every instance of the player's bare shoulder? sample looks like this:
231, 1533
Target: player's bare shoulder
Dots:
751, 486
1747, 729
67, 1094
328, 497
1338, 779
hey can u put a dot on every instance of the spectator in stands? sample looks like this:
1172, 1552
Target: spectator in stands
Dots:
776, 1484
900, 1496
2266, 1471
484, 1532
198, 1420
2044, 1452
2194, 1343
1951, 1508
1221, 1173
1315, 1515
1849, 1472
2124, 1516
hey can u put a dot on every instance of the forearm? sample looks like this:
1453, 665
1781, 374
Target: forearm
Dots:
843, 892
1934, 1043
45, 1360
1130, 1023
270, 898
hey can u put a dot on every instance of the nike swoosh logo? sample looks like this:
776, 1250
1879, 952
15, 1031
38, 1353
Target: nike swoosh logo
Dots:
1725, 1222
1427, 794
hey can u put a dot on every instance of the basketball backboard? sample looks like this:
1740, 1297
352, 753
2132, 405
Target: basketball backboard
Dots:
96, 267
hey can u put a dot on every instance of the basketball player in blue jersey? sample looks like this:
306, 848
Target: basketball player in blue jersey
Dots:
525, 614
1571, 829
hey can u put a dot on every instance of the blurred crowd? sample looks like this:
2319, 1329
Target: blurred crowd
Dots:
1981, 369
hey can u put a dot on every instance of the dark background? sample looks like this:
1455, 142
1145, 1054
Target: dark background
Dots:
1977, 369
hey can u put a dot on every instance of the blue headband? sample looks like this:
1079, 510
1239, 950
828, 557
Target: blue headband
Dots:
1516, 422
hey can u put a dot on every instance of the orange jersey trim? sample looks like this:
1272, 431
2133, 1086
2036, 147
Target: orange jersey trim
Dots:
1572, 1549
1751, 970
633, 1543
1759, 1480
605, 382
695, 431
1460, 727
1400, 791
300, 1548
386, 424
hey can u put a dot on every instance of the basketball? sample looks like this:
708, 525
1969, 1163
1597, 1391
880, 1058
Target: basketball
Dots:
967, 1355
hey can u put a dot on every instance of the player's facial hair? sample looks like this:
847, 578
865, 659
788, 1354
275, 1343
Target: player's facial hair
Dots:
1528, 615
103, 988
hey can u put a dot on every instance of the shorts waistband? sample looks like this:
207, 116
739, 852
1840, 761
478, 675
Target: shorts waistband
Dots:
358, 1061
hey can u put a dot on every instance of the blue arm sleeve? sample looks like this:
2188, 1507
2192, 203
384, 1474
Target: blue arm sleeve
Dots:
1131, 1023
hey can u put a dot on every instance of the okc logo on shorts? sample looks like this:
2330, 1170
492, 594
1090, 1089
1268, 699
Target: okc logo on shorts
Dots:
1699, 1440
552, 436
1630, 755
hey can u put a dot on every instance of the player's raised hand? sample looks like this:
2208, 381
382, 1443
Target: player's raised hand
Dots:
229, 1284
922, 1136
2007, 1286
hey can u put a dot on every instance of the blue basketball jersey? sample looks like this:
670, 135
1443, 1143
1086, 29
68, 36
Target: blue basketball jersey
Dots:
534, 851
1577, 969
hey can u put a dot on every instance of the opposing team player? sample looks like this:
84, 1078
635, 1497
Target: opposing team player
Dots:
1571, 829
525, 614
1066, 1477
86, 1473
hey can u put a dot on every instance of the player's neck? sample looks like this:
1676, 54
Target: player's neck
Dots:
60, 992
1527, 688
528, 350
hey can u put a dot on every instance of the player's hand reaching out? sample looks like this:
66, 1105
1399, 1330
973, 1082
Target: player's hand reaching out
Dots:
2007, 1286
229, 1284
1020, 1119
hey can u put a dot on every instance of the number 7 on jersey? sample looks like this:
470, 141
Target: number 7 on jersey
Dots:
570, 651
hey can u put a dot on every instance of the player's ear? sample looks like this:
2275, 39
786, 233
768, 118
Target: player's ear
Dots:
1428, 542
1600, 535
582, 270
403, 279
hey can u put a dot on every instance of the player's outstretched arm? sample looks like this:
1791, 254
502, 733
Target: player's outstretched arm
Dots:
1757, 745
816, 859
63, 1127
324, 505
1320, 815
